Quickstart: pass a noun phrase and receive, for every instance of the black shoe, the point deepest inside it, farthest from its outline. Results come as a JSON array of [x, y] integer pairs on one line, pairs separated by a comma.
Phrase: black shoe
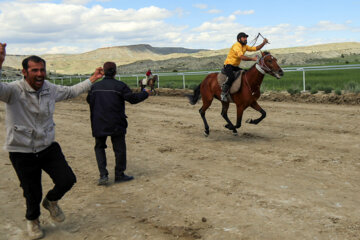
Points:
[[103, 180], [123, 178]]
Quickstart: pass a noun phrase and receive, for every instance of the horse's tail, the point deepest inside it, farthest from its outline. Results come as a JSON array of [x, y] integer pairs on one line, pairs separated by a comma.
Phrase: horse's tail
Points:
[[195, 97]]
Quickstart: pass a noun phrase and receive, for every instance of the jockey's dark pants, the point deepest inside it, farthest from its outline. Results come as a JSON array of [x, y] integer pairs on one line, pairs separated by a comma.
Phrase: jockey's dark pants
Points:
[[29, 166], [119, 147], [229, 70]]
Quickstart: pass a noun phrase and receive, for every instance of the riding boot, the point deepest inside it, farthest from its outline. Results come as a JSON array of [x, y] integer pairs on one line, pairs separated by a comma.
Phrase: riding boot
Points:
[[224, 93]]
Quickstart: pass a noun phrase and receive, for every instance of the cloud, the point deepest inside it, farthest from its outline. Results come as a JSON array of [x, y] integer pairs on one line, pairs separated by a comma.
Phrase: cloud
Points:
[[330, 26], [246, 12], [200, 6], [64, 26], [73, 28], [214, 11], [76, 2]]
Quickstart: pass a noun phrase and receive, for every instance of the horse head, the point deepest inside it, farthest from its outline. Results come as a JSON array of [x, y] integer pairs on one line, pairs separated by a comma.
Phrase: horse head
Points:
[[268, 64]]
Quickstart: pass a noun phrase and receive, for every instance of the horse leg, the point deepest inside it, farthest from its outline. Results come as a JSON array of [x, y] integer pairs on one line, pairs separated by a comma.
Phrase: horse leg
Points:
[[202, 110], [153, 89], [224, 110], [257, 107], [206, 125], [239, 114]]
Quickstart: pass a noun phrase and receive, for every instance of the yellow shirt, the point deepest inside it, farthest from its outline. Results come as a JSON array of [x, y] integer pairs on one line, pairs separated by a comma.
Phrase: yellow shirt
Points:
[[236, 51]]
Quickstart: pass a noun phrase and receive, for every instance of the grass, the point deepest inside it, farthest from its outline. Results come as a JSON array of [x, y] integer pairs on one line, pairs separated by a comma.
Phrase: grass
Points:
[[347, 80]]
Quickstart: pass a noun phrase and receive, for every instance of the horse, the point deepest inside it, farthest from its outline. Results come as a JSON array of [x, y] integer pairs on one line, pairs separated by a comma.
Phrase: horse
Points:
[[246, 96], [151, 83]]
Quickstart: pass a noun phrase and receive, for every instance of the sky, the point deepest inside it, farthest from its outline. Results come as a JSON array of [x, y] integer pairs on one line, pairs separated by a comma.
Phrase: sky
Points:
[[77, 26]]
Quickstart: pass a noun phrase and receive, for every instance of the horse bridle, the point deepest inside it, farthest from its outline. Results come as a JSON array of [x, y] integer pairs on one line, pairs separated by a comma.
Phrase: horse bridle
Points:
[[262, 67]]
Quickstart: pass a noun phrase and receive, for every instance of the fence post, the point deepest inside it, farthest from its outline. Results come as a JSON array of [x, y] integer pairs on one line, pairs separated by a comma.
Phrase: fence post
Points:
[[137, 81], [304, 80], [70, 80], [158, 81], [183, 81]]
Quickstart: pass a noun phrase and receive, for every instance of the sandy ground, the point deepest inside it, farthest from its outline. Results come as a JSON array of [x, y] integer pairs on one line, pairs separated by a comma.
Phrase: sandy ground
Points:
[[293, 176]]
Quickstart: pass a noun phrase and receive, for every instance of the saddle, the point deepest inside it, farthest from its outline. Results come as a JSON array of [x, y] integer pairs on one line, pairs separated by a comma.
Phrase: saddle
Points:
[[235, 87]]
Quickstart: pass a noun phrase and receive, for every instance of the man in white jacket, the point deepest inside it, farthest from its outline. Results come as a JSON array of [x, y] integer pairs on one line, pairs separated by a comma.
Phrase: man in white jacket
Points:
[[30, 140]]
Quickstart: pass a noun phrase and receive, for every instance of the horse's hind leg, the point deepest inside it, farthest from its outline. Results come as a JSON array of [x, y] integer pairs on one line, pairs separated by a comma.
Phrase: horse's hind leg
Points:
[[224, 110], [206, 125], [202, 110], [257, 107]]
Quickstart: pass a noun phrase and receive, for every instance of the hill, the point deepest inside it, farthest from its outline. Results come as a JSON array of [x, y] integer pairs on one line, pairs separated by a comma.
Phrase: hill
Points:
[[138, 58]]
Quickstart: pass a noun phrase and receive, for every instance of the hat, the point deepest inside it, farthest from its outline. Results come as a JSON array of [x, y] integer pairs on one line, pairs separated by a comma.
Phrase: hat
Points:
[[242, 34]]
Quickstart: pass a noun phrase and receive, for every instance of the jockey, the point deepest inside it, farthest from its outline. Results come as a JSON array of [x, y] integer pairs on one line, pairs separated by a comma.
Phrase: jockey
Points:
[[148, 75], [232, 62]]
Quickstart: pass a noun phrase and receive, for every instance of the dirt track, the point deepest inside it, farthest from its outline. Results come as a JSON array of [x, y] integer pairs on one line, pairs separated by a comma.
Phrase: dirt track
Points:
[[293, 176]]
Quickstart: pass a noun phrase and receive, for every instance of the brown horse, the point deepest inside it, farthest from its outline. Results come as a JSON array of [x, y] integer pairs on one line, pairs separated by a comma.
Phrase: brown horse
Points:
[[245, 97], [151, 83]]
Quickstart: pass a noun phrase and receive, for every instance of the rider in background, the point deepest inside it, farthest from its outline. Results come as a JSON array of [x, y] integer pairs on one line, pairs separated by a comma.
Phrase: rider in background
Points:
[[232, 62], [148, 75]]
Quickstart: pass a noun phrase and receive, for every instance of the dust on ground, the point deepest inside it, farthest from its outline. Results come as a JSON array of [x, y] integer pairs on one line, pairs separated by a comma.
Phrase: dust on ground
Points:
[[293, 176]]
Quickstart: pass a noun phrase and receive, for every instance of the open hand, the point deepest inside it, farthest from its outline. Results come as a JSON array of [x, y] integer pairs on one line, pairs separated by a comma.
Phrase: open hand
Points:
[[99, 73], [2, 53]]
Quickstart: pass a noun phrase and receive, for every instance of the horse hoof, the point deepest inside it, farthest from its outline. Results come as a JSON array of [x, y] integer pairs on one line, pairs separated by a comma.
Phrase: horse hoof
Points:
[[206, 133], [235, 133], [228, 126], [249, 120]]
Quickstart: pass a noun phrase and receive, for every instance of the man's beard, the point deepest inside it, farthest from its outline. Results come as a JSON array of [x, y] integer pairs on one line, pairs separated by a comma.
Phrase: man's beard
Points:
[[243, 43]]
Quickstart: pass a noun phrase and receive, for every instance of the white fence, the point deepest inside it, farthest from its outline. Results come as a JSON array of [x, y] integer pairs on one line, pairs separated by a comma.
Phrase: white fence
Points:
[[289, 69], [319, 68], [78, 78]]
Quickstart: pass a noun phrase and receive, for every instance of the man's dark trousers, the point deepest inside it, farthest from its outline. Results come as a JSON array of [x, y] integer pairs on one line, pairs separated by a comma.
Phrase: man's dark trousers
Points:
[[229, 70], [119, 147], [29, 166]]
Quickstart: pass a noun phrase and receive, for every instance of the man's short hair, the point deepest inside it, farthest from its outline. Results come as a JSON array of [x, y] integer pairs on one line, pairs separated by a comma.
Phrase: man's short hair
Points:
[[36, 59], [109, 69]]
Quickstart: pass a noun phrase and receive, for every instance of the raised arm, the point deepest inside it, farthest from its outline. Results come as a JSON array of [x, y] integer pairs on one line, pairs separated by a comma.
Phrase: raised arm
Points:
[[2, 53], [65, 92], [262, 44], [6, 91]]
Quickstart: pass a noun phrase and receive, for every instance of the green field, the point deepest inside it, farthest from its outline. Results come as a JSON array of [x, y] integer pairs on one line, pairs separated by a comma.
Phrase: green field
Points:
[[345, 80]]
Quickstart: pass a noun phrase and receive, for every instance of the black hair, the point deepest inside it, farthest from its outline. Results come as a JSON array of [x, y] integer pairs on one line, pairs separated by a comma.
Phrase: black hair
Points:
[[109, 69], [110, 72], [36, 59]]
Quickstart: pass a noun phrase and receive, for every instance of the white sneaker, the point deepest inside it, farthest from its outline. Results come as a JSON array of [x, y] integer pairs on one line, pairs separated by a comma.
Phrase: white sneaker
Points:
[[55, 211], [34, 229]]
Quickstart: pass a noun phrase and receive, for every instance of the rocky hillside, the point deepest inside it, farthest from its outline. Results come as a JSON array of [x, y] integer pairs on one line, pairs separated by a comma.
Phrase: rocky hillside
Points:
[[138, 58]]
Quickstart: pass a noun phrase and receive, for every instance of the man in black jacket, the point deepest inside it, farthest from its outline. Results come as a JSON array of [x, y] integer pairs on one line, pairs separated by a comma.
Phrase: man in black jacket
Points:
[[107, 112]]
